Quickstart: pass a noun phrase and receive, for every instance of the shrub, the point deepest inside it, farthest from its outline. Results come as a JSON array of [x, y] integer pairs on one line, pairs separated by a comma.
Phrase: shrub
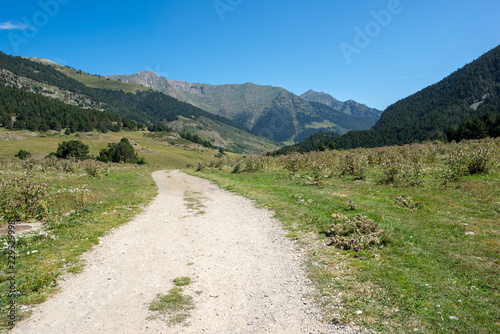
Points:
[[402, 175], [479, 160], [21, 200], [407, 202], [254, 164], [22, 154], [122, 151], [354, 165], [72, 149], [92, 168], [356, 233], [293, 164], [468, 161]]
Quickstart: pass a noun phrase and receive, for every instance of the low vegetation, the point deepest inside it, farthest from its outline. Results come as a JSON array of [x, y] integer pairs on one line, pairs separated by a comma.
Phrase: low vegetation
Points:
[[66, 205], [400, 239], [173, 307]]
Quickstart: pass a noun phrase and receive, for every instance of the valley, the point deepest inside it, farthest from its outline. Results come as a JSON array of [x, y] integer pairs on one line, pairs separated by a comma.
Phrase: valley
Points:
[[387, 222]]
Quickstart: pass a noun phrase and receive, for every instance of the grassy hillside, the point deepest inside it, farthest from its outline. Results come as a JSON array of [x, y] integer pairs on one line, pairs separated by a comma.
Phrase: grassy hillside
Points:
[[398, 239], [97, 81], [173, 154]]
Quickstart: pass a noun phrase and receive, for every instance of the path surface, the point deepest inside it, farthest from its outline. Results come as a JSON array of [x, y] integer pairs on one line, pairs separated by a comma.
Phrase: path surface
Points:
[[249, 274]]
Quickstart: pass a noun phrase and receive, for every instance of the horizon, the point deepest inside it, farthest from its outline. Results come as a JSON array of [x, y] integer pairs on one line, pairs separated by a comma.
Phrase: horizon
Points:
[[372, 53]]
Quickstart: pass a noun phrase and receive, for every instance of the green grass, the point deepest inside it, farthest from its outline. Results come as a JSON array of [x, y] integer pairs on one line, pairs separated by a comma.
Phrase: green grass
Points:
[[174, 307], [96, 81], [80, 209], [181, 281], [429, 275], [154, 151]]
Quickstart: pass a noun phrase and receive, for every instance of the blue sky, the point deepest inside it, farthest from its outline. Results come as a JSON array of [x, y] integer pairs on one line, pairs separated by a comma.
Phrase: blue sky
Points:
[[374, 52]]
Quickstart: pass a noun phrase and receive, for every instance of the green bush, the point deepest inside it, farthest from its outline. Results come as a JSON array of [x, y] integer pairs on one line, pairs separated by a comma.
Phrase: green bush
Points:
[[22, 154], [72, 149], [120, 152], [21, 199]]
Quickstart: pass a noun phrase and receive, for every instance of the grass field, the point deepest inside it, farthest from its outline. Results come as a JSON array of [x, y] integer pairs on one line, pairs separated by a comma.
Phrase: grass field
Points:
[[398, 239], [429, 261], [74, 210], [155, 152]]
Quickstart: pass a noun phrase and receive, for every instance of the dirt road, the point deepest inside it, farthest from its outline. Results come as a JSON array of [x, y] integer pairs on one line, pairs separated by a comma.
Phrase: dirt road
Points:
[[246, 276]]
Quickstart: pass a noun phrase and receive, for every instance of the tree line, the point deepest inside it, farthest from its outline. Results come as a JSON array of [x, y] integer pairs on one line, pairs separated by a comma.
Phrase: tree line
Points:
[[22, 110]]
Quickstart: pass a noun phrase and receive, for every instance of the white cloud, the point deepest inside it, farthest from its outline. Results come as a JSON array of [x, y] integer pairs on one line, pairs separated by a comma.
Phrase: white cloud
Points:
[[10, 25]]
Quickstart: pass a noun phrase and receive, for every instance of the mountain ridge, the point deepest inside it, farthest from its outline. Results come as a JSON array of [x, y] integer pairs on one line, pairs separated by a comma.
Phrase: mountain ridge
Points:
[[272, 112], [349, 107], [141, 105]]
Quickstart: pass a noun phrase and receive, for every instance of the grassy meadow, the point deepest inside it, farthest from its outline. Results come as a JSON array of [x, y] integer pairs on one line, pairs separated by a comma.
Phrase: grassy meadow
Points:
[[400, 239], [171, 154], [75, 203]]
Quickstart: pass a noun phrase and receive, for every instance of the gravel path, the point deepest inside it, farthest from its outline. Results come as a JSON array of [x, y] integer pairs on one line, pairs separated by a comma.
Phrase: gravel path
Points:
[[246, 276]]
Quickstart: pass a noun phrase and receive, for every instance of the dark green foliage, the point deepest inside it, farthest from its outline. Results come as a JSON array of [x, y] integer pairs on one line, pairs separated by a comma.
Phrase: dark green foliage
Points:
[[430, 113], [196, 139], [72, 149], [22, 154], [36, 112], [159, 128], [122, 151], [487, 125], [275, 123]]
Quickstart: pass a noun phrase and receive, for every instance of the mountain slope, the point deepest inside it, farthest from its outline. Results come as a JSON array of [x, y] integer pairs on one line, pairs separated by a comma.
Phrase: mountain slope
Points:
[[272, 112], [426, 115], [349, 107], [147, 106]]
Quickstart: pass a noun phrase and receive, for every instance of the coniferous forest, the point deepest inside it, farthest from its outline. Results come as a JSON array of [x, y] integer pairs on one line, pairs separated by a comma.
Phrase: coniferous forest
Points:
[[21, 110]]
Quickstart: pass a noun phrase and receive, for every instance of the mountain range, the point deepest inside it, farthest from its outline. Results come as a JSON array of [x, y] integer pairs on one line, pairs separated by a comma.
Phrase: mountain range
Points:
[[246, 118], [272, 112], [31, 85]]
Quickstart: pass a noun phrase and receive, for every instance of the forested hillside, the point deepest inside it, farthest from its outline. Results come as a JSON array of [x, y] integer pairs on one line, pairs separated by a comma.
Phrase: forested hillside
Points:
[[21, 110], [427, 115], [37, 96], [148, 107]]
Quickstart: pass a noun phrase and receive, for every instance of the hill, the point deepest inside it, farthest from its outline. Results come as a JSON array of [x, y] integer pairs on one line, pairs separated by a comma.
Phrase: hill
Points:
[[272, 112], [430, 113], [143, 105], [349, 107]]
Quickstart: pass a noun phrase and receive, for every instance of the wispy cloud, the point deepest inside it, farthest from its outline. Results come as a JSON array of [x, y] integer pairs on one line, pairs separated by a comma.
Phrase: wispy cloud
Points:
[[12, 25]]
